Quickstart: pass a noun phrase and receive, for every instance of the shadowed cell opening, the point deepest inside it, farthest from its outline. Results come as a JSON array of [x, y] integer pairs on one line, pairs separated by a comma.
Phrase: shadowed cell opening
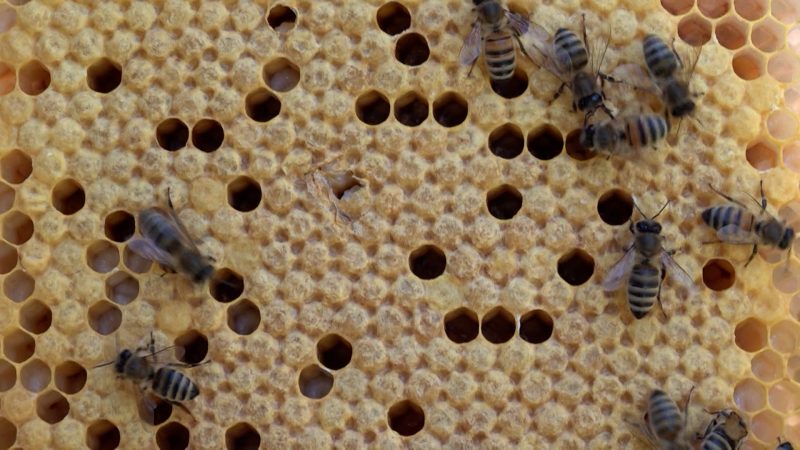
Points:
[[504, 202], [105, 317], [615, 207], [750, 335], [52, 407], [498, 325], [135, 262], [545, 142], [574, 148], [16, 166], [751, 10], [226, 285], [281, 75], [334, 352], [406, 418], [762, 156], [35, 317], [207, 135], [8, 433], [713, 9], [8, 258], [34, 78], [512, 87], [677, 7], [18, 286], [731, 32], [18, 346], [748, 64], [122, 288], [506, 141], [242, 436], [393, 18], [172, 134], [461, 325], [450, 109], [576, 267], [8, 76], [102, 435], [172, 436], [412, 49], [7, 195], [68, 197], [314, 382], [411, 109], [695, 30], [261, 105], [102, 256], [70, 377], [536, 326], [719, 274], [243, 317], [17, 228], [427, 262], [372, 108], [104, 76], [119, 226], [194, 345], [8, 375], [281, 18], [244, 194], [35, 375], [154, 411]]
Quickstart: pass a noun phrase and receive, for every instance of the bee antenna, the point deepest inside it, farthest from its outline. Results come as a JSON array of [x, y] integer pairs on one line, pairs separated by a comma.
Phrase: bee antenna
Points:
[[661, 210], [105, 364], [638, 209]]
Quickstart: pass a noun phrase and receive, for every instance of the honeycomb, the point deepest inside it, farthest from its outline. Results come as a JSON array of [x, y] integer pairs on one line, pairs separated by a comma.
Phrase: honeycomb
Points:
[[394, 269]]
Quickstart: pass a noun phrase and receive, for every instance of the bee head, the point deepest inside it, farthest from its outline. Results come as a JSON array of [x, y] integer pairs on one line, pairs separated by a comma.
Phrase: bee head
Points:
[[590, 101], [648, 226], [683, 109], [586, 138], [490, 12], [787, 239], [122, 359]]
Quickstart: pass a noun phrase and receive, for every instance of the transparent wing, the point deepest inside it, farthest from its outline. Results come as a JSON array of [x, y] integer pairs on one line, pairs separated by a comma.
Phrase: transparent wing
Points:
[[472, 46], [635, 75], [539, 46], [619, 273], [149, 250], [676, 271], [520, 24], [733, 234], [183, 233]]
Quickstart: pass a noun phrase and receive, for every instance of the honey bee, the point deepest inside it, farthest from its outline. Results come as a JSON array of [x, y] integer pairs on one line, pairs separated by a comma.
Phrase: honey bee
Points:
[[494, 33], [635, 131], [640, 268], [664, 423], [735, 224], [726, 431], [166, 241], [663, 62]]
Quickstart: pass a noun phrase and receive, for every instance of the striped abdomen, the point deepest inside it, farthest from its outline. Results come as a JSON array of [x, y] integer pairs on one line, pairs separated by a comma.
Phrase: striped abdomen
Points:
[[500, 54], [160, 230], [665, 419], [570, 50], [717, 440], [643, 288], [173, 385], [721, 216], [645, 130], [660, 59]]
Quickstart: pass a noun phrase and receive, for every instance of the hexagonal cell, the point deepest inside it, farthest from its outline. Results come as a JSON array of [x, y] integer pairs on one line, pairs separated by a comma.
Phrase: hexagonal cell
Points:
[[787, 11], [35, 375], [677, 7], [766, 426], [261, 105], [8, 375], [102, 435], [8, 433], [748, 64], [157, 413], [18, 346], [8, 78], [575, 267], [102, 256], [244, 317], [761, 155], [244, 194], [104, 317], [412, 49], [8, 17], [504, 202], [461, 325], [122, 288], [334, 352], [35, 317], [8, 258], [314, 382], [506, 141], [786, 277], [18, 286], [281, 18], [16, 166], [545, 142], [784, 336], [713, 9], [393, 18], [172, 134], [751, 9], [536, 326], [7, 195], [512, 87], [719, 274], [68, 197], [34, 78], [732, 32], [450, 109], [207, 135], [767, 35], [242, 436], [751, 335], [615, 206], [372, 108], [226, 285], [194, 345], [17, 228], [172, 436], [406, 418], [694, 29], [498, 325], [784, 397], [411, 109], [427, 262], [135, 262], [70, 377], [784, 66], [749, 395], [104, 76], [575, 149], [281, 75], [791, 157], [781, 124], [119, 226], [767, 366]]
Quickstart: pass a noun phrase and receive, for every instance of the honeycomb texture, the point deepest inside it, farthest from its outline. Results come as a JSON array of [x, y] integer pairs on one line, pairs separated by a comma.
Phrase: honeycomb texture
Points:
[[406, 257]]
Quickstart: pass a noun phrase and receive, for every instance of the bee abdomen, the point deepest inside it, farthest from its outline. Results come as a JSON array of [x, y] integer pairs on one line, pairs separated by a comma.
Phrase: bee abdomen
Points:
[[173, 385], [159, 230], [665, 418], [721, 216], [716, 440], [645, 130], [659, 57], [570, 50], [643, 289], [499, 52]]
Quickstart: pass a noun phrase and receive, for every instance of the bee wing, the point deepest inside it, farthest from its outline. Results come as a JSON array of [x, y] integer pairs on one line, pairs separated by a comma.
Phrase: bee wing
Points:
[[518, 22], [734, 234], [537, 42], [619, 273], [183, 233], [147, 406], [635, 75], [676, 271], [472, 46], [148, 249]]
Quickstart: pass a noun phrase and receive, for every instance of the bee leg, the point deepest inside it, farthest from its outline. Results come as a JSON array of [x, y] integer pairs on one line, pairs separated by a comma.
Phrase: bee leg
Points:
[[752, 255], [522, 49], [607, 111], [686, 407], [469, 74], [560, 90], [675, 52], [658, 296]]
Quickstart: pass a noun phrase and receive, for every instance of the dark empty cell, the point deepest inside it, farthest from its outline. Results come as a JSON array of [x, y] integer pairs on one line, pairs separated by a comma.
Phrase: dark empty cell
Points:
[[334, 352], [314, 382], [244, 194], [718, 274], [244, 317], [226, 285], [52, 407], [615, 207], [575, 150], [536, 326], [35, 317], [411, 109], [68, 197], [172, 134], [8, 433], [545, 142], [194, 345], [261, 105], [281, 75], [504, 202], [135, 262], [393, 18], [427, 262], [506, 141], [8, 375], [281, 18], [16, 166], [102, 256], [450, 109], [172, 436], [35, 375], [122, 288], [18, 346], [576, 267], [461, 325], [406, 418], [17, 228], [512, 87], [34, 78], [7, 195], [119, 226], [18, 286], [156, 413], [372, 108], [498, 326], [104, 76], [242, 436], [412, 49], [104, 317], [70, 377], [207, 135], [8, 258], [102, 435]]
